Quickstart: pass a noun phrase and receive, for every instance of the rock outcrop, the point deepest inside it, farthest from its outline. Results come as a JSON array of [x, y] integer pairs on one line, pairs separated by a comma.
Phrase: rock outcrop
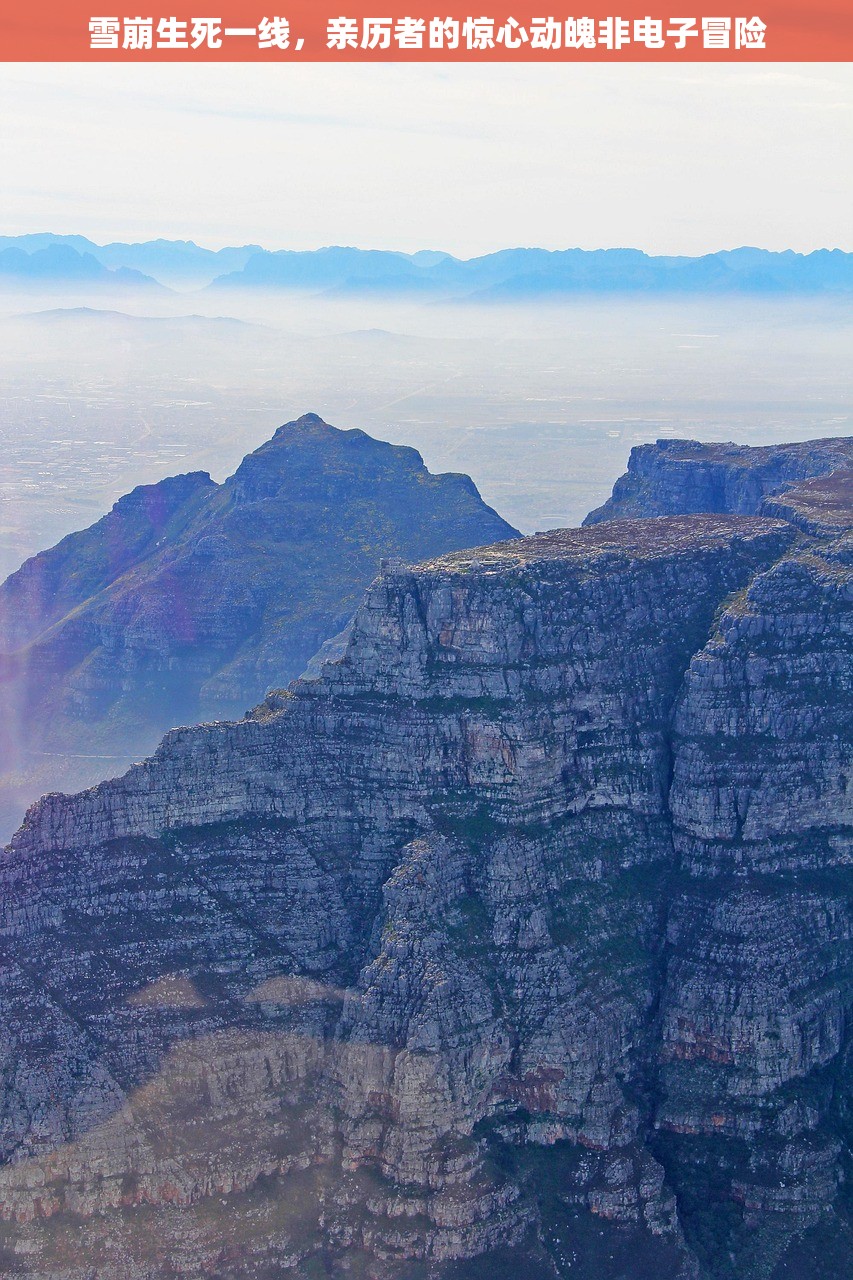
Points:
[[679, 477], [516, 942], [190, 600]]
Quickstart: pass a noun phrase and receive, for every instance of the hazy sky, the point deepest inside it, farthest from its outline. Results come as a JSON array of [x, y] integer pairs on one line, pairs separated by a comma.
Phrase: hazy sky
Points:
[[464, 158]]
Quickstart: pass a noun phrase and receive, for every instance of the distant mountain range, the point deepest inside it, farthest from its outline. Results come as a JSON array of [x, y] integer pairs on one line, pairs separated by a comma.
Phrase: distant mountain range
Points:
[[189, 599], [528, 273], [507, 275], [173, 263], [60, 263]]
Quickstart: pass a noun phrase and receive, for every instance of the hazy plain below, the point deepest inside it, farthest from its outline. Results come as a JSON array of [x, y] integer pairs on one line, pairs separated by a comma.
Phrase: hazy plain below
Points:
[[540, 404]]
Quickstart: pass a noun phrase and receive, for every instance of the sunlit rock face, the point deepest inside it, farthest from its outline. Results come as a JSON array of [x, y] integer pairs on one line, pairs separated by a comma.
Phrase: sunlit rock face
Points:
[[677, 477], [515, 943], [190, 600]]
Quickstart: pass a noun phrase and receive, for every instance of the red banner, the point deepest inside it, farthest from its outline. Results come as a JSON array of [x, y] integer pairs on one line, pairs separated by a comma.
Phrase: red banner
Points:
[[308, 31]]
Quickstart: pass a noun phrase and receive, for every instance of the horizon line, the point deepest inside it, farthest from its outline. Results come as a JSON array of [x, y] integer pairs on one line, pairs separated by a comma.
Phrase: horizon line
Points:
[[404, 253]]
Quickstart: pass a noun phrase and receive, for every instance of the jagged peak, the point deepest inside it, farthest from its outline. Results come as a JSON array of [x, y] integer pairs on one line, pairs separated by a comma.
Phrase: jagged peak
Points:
[[305, 421], [312, 427], [309, 448]]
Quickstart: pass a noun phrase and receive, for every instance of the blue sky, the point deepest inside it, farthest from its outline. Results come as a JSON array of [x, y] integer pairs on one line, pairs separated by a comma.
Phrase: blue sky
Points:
[[464, 158]]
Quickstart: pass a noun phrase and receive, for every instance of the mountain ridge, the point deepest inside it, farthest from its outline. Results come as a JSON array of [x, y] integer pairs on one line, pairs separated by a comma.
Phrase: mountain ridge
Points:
[[61, 262], [499, 276], [521, 273], [190, 599]]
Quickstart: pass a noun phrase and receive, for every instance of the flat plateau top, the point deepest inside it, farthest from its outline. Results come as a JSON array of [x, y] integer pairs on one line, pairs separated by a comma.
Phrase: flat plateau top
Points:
[[646, 539], [748, 455]]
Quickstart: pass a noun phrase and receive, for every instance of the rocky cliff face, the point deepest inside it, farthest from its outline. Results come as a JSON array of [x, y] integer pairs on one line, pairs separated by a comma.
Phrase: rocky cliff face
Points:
[[676, 477], [518, 942], [190, 600]]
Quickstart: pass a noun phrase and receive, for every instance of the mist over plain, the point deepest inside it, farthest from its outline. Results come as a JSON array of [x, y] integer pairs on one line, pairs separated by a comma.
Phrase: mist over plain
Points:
[[540, 402]]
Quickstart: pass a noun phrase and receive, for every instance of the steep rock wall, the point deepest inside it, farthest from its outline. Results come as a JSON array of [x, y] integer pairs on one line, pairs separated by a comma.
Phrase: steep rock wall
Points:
[[675, 477], [519, 937]]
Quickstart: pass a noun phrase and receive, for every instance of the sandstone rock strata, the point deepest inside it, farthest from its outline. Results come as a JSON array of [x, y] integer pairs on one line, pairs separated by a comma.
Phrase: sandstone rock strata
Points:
[[675, 477], [517, 942]]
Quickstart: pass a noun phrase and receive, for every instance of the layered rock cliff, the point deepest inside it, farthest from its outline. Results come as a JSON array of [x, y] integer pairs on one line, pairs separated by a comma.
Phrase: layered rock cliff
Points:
[[518, 942], [190, 600], [677, 477]]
